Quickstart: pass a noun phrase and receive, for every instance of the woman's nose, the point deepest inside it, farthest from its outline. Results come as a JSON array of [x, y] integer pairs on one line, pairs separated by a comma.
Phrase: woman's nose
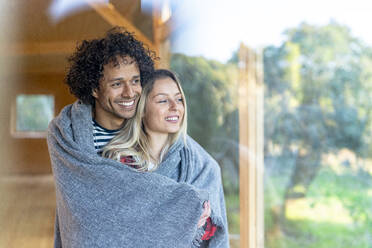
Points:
[[172, 105]]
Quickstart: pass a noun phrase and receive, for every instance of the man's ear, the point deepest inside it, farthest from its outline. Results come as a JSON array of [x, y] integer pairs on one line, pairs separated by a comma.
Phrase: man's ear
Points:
[[95, 93]]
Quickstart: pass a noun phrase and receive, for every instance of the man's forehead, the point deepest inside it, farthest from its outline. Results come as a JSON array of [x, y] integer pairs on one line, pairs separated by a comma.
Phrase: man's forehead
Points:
[[122, 60]]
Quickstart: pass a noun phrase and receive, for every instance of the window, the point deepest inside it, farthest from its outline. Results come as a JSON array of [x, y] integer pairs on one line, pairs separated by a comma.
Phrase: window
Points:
[[31, 115], [318, 146]]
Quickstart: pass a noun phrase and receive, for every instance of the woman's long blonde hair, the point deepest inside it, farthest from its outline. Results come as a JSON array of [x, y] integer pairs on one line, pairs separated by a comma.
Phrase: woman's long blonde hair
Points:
[[132, 141]]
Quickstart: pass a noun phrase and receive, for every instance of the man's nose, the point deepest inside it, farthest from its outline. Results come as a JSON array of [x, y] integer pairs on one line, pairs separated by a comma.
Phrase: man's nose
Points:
[[127, 91]]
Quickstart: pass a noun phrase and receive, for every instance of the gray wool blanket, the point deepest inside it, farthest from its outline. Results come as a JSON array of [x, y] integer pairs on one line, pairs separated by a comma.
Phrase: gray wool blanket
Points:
[[103, 203], [191, 164]]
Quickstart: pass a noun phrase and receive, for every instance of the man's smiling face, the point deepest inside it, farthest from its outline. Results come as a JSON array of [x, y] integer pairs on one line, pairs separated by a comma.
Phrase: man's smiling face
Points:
[[118, 93]]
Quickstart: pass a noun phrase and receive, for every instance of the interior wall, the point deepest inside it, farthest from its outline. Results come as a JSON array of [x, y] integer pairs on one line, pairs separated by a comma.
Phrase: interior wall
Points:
[[33, 51], [27, 155]]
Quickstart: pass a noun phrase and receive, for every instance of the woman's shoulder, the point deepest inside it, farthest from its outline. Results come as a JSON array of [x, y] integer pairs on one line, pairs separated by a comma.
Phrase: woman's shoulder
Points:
[[199, 155], [194, 146]]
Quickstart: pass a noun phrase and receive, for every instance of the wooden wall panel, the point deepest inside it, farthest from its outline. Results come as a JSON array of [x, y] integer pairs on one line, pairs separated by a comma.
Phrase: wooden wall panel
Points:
[[27, 155]]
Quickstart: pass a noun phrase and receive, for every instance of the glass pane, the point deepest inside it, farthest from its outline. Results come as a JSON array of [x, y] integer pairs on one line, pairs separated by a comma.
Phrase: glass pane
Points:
[[211, 94], [318, 145], [34, 112]]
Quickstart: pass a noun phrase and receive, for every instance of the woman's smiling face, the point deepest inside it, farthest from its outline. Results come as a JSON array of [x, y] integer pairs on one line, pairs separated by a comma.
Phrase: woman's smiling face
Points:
[[164, 109]]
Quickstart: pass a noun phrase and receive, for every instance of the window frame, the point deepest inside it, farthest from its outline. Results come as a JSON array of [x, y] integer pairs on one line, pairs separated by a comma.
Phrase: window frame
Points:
[[251, 141]]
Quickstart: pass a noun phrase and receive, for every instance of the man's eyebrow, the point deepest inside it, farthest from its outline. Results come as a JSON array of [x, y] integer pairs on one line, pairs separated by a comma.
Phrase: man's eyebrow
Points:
[[121, 78], [115, 79]]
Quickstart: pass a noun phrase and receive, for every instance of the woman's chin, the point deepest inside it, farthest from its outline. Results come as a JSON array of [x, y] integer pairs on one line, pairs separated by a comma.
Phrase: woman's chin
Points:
[[173, 130]]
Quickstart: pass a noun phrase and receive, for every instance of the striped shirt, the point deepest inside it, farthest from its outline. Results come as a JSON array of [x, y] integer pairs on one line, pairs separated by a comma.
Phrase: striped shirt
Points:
[[102, 136]]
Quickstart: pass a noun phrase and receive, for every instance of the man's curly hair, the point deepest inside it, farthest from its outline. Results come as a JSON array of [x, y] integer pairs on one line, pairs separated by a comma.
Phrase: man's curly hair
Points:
[[86, 63]]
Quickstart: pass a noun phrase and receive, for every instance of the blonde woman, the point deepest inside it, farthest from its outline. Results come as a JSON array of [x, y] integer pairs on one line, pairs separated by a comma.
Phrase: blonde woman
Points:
[[156, 140]]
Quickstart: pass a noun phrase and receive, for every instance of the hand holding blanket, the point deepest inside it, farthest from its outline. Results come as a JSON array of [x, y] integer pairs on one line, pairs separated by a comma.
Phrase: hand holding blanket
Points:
[[191, 164]]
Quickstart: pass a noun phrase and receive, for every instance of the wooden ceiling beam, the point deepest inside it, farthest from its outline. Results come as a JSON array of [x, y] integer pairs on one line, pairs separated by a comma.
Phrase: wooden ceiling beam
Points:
[[108, 12], [129, 11], [39, 48]]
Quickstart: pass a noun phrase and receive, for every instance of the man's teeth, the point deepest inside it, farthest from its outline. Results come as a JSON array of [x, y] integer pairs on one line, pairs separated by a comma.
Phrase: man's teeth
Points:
[[171, 118], [126, 103]]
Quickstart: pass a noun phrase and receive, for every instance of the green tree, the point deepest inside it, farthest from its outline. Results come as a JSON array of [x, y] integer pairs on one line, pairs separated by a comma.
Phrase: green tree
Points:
[[210, 89], [211, 94], [317, 85]]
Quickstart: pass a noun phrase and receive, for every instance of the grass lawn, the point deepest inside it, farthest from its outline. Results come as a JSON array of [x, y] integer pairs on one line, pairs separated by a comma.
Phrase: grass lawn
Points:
[[336, 212]]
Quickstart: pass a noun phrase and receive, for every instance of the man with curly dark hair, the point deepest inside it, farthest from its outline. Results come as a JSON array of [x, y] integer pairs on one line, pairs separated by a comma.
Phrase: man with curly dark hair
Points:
[[108, 74]]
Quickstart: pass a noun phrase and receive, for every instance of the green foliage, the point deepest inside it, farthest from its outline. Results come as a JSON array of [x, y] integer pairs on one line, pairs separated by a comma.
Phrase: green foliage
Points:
[[209, 87], [316, 98], [317, 102], [211, 95], [232, 209], [351, 187], [318, 73]]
